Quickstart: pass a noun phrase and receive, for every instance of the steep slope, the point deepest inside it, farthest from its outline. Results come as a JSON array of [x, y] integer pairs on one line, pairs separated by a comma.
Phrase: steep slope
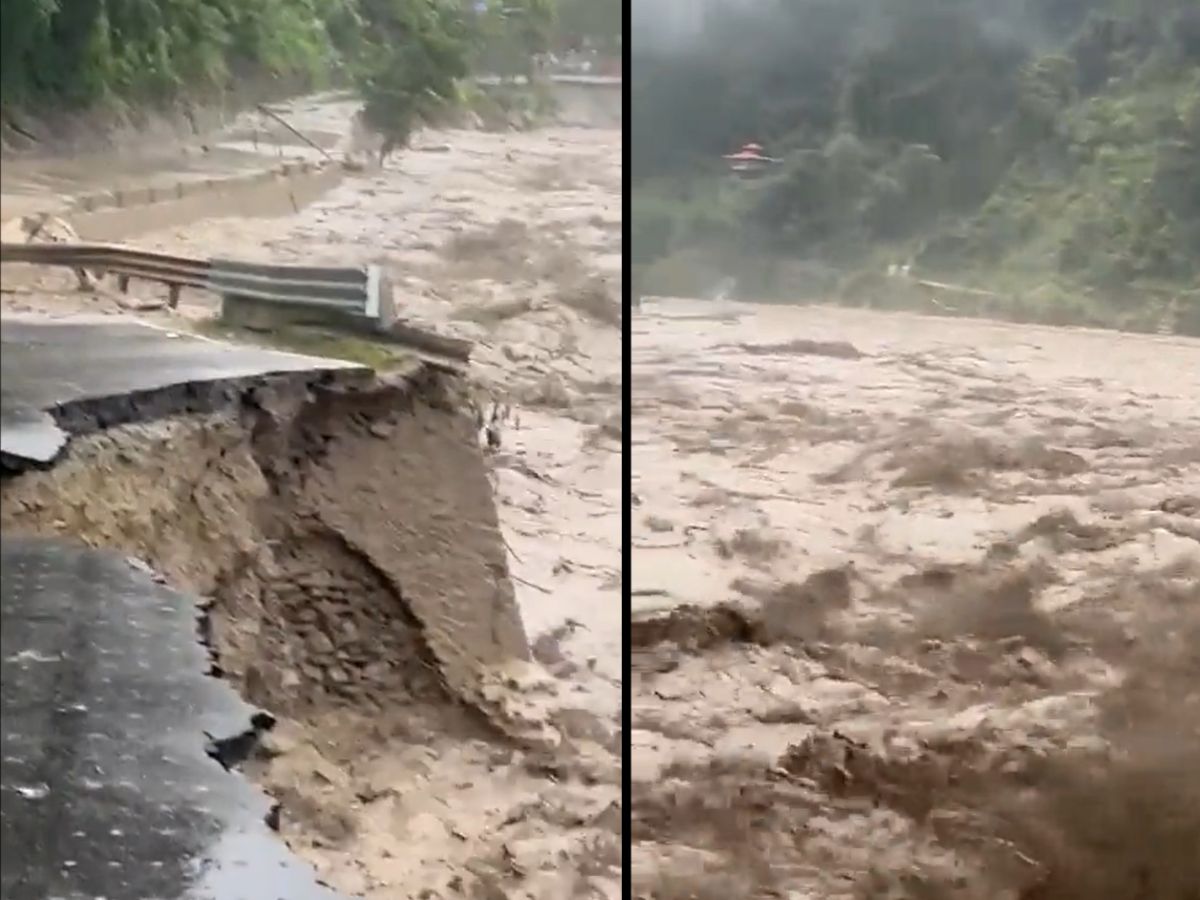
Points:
[[1045, 150]]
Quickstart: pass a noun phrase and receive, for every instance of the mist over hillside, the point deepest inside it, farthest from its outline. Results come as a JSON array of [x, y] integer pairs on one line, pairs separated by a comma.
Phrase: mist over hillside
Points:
[[1044, 150]]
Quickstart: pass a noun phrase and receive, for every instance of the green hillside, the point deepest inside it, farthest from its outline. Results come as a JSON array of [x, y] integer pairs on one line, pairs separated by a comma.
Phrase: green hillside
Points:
[[60, 58], [1045, 150]]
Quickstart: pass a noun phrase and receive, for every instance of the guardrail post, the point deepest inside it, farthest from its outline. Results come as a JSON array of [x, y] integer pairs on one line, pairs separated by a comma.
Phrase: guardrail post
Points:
[[359, 298]]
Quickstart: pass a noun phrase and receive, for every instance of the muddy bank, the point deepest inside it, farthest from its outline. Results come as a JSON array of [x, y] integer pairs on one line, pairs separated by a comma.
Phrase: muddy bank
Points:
[[384, 489], [240, 163], [914, 620], [43, 134], [348, 546], [587, 103]]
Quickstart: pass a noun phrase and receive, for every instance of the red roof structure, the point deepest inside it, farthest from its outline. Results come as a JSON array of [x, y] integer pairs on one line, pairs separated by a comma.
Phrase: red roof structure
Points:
[[749, 159]]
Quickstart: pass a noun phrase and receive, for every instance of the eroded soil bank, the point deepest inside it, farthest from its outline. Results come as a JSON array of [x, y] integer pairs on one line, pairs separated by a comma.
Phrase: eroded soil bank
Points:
[[917, 608], [348, 548]]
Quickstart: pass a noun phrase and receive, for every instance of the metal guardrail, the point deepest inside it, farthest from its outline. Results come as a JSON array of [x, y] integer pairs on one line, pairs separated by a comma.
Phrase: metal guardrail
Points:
[[353, 291], [176, 272], [356, 295]]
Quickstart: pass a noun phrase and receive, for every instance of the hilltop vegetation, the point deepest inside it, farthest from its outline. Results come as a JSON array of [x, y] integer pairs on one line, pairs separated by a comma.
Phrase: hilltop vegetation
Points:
[[82, 53], [405, 56], [1048, 150]]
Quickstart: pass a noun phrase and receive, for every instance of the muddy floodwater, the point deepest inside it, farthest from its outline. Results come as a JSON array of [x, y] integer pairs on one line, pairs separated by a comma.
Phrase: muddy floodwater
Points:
[[916, 607], [390, 787]]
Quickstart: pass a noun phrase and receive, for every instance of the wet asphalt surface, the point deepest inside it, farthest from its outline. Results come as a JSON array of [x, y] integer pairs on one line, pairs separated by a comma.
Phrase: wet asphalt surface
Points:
[[115, 736], [109, 786], [66, 377]]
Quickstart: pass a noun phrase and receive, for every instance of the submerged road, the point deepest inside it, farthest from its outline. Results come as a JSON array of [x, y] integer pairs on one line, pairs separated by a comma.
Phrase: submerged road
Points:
[[116, 739], [65, 377]]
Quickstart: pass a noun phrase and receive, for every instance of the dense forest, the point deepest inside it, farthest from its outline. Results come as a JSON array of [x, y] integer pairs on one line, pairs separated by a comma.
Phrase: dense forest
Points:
[[66, 56], [1048, 150]]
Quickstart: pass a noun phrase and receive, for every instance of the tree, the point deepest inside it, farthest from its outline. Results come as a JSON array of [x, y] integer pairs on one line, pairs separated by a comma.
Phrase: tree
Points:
[[413, 54], [24, 24], [84, 53]]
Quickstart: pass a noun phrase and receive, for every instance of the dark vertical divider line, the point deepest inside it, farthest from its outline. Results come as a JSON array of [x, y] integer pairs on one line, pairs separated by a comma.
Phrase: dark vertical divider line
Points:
[[626, 470]]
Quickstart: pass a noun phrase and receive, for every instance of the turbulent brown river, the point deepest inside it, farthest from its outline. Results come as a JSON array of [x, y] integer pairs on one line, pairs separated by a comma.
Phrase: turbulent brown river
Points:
[[916, 607]]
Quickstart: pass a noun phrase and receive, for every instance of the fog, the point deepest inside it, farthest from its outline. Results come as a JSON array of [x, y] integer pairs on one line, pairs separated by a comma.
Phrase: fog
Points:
[[1006, 146], [678, 24]]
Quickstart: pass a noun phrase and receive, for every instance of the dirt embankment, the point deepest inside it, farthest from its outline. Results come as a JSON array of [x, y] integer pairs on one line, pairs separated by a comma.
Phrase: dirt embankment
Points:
[[355, 578], [916, 621]]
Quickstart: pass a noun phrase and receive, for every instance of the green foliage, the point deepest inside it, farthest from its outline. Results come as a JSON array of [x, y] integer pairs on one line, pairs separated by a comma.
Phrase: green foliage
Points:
[[411, 56], [406, 57], [410, 59], [1017, 142], [83, 52], [653, 226], [1047, 86]]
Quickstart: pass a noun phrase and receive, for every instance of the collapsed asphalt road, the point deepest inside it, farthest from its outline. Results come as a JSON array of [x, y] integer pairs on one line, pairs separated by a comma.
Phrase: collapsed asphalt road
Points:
[[75, 376], [345, 541], [117, 739]]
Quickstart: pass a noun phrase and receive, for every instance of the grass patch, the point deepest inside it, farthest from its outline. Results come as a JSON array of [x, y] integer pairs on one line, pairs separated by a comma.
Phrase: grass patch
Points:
[[310, 341]]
